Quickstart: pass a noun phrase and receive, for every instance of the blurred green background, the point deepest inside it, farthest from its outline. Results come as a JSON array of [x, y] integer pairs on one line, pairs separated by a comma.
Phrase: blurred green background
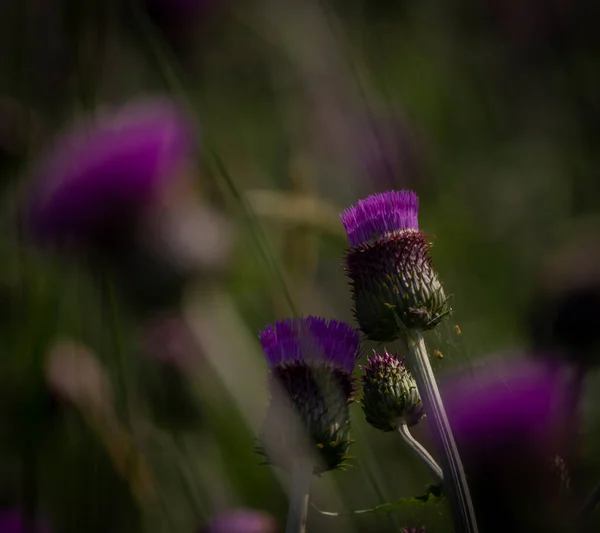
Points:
[[495, 109]]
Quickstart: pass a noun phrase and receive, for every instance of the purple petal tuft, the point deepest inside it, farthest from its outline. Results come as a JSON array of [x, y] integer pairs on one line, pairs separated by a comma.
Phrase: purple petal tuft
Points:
[[298, 339], [379, 214]]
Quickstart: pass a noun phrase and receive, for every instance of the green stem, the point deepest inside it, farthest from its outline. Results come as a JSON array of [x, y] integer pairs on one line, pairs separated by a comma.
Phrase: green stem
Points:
[[302, 471], [452, 468], [420, 450]]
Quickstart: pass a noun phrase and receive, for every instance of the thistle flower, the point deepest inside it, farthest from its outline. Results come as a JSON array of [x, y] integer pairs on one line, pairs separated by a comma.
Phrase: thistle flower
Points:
[[509, 422], [390, 268], [13, 521], [242, 521], [311, 361], [390, 394], [96, 180]]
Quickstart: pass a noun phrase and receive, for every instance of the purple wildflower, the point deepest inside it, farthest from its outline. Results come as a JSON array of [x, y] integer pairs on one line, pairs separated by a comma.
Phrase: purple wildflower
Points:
[[394, 286], [242, 521], [97, 178], [509, 420], [311, 360], [380, 214], [498, 403], [13, 521], [295, 340]]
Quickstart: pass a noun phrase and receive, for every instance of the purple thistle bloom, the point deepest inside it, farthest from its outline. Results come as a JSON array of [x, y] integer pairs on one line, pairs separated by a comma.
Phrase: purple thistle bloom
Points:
[[498, 403], [379, 214], [99, 176], [242, 521], [510, 422], [310, 338], [12, 521], [394, 286], [311, 360]]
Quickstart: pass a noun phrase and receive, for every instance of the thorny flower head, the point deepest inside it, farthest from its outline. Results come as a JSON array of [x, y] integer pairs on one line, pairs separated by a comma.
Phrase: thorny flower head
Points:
[[311, 361], [393, 282], [390, 394]]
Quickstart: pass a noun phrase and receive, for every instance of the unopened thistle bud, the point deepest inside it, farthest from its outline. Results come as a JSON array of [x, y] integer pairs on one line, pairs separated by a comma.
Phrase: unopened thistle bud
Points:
[[389, 267], [390, 395], [311, 360]]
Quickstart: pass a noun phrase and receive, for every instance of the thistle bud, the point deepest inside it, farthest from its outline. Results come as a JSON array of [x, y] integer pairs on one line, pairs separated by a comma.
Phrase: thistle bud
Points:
[[390, 269], [311, 362], [390, 394]]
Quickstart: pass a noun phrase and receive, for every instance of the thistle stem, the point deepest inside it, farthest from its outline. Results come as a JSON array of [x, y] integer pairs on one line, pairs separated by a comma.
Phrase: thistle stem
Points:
[[452, 468], [302, 471], [420, 450]]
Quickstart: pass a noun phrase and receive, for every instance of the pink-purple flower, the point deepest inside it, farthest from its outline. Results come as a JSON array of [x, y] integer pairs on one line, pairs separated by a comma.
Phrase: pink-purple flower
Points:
[[394, 285], [92, 185], [311, 386], [509, 421]]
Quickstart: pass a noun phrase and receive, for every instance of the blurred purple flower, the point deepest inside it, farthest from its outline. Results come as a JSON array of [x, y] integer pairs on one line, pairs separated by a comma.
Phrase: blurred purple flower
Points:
[[509, 421], [242, 521], [497, 404], [12, 521], [308, 339], [97, 178], [379, 214]]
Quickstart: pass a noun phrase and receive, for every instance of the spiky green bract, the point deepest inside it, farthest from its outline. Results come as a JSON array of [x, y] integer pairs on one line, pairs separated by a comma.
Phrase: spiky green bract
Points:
[[392, 278], [319, 394], [390, 394]]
